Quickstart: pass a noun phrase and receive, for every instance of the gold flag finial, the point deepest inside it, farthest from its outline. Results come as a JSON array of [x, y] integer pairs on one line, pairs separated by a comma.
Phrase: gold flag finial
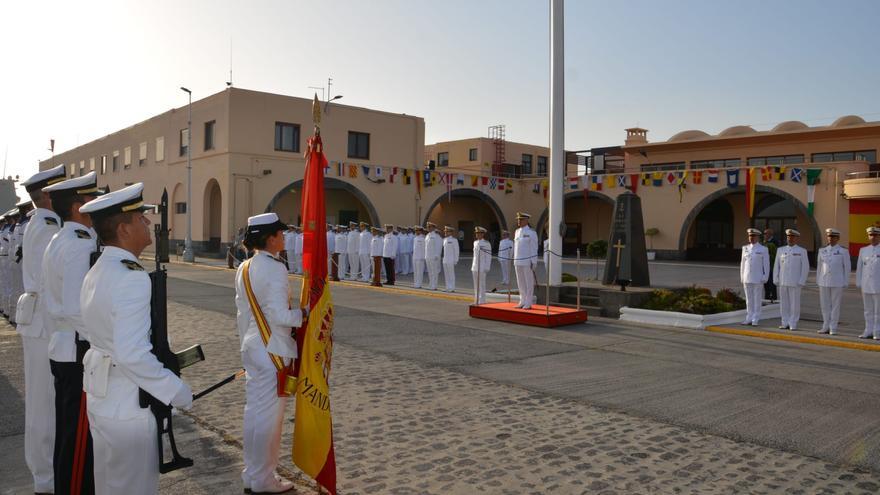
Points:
[[316, 110]]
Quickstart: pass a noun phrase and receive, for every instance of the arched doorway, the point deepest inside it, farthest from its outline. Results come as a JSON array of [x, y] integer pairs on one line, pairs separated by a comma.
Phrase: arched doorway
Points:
[[177, 213], [344, 203], [465, 209], [713, 233], [213, 213], [586, 220]]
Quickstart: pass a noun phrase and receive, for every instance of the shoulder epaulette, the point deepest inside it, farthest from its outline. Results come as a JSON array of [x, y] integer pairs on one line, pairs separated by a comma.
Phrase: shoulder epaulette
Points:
[[51, 221], [132, 265], [83, 234]]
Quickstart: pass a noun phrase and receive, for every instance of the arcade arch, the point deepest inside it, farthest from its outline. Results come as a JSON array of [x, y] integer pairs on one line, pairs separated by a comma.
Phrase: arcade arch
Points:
[[585, 220], [469, 209], [344, 203]]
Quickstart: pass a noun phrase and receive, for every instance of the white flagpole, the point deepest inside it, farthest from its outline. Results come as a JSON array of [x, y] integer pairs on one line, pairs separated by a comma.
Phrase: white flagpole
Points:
[[557, 140]]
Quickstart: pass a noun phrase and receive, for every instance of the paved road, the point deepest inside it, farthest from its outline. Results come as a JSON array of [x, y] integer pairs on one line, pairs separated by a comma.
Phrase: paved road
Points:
[[427, 400]]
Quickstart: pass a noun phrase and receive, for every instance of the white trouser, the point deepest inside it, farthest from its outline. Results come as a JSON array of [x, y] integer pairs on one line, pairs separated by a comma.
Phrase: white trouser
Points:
[[505, 271], [525, 282], [433, 272], [418, 272], [39, 413], [790, 304], [126, 454], [354, 262], [343, 265], [754, 298], [449, 276], [291, 261], [479, 287], [329, 262], [298, 262], [872, 314], [829, 298], [409, 264], [366, 267], [263, 415]]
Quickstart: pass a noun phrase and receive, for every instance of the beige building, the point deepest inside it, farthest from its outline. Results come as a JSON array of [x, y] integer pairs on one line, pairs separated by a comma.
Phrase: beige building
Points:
[[485, 155]]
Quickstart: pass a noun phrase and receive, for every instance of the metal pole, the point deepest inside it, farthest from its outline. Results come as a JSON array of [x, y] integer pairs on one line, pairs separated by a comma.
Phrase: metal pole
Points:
[[557, 139], [547, 289], [510, 267], [477, 284], [578, 274], [188, 255]]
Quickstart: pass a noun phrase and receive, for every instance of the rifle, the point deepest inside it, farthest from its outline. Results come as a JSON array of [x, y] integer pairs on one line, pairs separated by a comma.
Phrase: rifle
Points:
[[159, 340]]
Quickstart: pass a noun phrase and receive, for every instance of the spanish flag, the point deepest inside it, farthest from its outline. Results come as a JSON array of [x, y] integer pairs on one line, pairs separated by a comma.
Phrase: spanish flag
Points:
[[313, 427], [863, 213]]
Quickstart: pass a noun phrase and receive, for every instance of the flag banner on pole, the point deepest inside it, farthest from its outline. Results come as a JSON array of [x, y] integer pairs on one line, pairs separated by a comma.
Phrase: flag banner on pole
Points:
[[393, 175], [657, 179], [646, 179], [459, 180], [765, 174], [779, 173], [751, 180], [681, 181], [697, 176], [732, 178], [621, 181], [634, 182], [797, 174], [813, 175], [366, 169], [573, 183], [671, 178], [313, 426], [595, 183], [712, 176]]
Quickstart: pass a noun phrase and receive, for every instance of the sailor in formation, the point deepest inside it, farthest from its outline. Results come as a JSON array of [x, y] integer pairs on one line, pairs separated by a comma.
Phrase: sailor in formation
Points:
[[525, 254], [353, 243], [377, 244], [266, 327], [832, 276], [115, 306], [289, 248], [39, 421], [868, 280], [365, 239], [16, 243], [331, 244], [480, 265], [341, 254], [5, 230], [298, 249], [389, 253], [418, 256], [65, 264], [790, 270], [505, 256], [450, 257], [754, 271], [433, 252]]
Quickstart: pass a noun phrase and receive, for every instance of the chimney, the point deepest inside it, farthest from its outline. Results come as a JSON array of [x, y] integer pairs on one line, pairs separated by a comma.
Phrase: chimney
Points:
[[636, 135]]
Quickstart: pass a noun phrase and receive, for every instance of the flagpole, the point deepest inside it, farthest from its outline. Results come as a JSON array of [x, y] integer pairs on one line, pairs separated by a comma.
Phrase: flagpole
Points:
[[557, 140]]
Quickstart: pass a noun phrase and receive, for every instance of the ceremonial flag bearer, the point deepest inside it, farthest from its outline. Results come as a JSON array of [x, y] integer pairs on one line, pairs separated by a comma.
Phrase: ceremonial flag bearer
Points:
[[115, 302], [39, 392], [268, 347], [65, 265]]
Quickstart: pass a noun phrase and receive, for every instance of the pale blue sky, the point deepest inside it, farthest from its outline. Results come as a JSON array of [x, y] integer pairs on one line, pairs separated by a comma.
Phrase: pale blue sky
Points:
[[79, 70]]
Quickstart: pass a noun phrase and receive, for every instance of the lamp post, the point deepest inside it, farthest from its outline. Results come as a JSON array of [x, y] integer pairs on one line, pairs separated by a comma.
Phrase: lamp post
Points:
[[328, 102], [188, 255]]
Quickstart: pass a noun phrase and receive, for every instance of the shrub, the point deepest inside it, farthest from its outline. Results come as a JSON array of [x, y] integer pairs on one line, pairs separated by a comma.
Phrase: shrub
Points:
[[597, 249], [567, 277], [732, 298], [694, 300]]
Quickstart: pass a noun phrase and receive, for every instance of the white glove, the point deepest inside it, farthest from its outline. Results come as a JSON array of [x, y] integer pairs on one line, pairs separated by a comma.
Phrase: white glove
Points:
[[183, 399]]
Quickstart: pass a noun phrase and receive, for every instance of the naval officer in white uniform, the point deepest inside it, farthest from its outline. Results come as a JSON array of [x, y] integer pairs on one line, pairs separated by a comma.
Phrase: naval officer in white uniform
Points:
[[505, 253], [480, 265], [525, 254], [115, 305], [790, 272], [433, 251], [754, 270], [868, 279], [450, 257], [832, 275], [39, 391]]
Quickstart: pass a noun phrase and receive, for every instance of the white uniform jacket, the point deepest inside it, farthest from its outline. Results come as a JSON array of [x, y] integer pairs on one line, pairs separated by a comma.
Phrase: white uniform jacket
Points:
[[289, 241], [115, 302], [365, 239], [868, 270], [754, 268], [298, 243], [341, 243], [65, 265], [418, 247], [525, 247], [483, 253], [791, 266], [377, 244], [450, 250], [331, 242], [433, 246], [505, 250], [389, 246], [353, 241], [37, 234], [833, 266], [272, 291]]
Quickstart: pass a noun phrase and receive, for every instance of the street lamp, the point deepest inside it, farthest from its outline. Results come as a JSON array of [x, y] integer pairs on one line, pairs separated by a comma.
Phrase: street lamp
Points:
[[331, 99], [188, 255]]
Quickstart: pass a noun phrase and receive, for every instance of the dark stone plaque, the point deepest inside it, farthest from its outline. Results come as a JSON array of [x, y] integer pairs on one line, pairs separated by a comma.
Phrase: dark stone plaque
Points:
[[627, 256]]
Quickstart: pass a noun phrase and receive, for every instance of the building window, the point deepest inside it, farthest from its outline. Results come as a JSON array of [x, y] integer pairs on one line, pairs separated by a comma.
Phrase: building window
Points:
[[73, 170], [656, 167], [184, 141], [209, 135], [82, 167], [160, 148], [116, 160], [526, 164], [472, 154], [869, 156], [179, 207], [286, 137], [92, 164], [773, 160], [103, 164], [702, 164], [358, 145], [142, 155], [542, 165], [443, 159], [126, 163]]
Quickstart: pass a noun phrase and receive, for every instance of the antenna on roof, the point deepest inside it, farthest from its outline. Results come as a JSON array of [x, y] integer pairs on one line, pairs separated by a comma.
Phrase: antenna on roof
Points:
[[5, 156], [229, 82]]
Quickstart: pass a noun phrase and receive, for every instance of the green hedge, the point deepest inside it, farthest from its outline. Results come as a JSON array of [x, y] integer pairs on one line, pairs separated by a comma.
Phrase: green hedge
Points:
[[694, 300]]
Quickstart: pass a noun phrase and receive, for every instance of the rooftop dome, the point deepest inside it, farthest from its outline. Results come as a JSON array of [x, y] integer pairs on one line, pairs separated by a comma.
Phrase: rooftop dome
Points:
[[688, 136], [737, 130], [791, 125], [848, 121]]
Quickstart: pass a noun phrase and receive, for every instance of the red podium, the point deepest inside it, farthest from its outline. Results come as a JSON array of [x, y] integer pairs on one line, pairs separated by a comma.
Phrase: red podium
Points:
[[537, 315]]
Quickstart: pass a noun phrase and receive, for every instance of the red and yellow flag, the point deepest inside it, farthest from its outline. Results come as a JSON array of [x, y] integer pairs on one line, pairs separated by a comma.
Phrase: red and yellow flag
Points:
[[751, 182], [313, 428]]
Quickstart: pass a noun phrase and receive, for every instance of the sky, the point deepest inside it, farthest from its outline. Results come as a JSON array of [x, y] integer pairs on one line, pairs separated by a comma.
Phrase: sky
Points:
[[76, 71]]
